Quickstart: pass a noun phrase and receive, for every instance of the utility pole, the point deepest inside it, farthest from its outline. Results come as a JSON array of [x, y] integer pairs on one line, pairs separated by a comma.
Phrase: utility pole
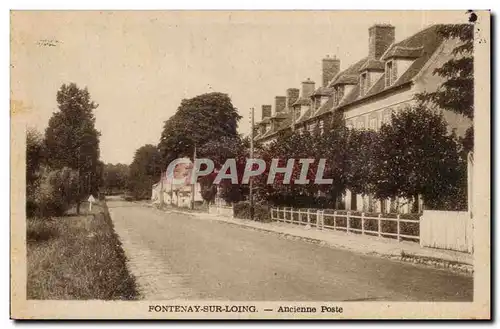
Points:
[[193, 186], [251, 157]]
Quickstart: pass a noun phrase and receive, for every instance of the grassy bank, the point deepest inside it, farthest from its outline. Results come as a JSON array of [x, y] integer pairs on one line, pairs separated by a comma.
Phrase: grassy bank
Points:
[[77, 257]]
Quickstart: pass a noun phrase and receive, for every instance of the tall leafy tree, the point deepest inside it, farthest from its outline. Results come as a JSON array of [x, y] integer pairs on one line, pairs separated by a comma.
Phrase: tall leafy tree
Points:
[[456, 93], [145, 170], [71, 139], [417, 156], [198, 120], [362, 161], [219, 150], [115, 177], [34, 155]]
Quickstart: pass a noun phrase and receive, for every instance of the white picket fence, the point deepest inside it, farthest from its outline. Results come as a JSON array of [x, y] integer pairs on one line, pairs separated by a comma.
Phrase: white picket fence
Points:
[[348, 222], [451, 230]]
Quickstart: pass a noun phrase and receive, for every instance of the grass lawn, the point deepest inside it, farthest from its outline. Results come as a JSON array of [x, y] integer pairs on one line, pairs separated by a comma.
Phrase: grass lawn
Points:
[[77, 257]]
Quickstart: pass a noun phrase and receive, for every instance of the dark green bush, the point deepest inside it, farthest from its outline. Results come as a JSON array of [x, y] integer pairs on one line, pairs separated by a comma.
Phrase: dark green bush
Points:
[[262, 213]]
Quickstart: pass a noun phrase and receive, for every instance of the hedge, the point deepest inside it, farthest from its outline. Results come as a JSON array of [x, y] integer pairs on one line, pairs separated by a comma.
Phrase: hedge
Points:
[[262, 213]]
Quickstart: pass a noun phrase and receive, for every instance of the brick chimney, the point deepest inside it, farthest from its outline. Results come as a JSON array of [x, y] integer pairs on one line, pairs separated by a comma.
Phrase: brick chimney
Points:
[[331, 66], [266, 111], [292, 94], [380, 37], [307, 88], [279, 104]]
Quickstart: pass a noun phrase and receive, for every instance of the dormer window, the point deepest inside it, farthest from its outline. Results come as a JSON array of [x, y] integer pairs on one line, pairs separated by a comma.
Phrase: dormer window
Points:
[[338, 94], [390, 73], [364, 83]]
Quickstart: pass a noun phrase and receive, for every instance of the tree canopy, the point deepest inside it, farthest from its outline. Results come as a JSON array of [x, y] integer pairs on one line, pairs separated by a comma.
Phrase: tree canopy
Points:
[[71, 139], [145, 170], [198, 120]]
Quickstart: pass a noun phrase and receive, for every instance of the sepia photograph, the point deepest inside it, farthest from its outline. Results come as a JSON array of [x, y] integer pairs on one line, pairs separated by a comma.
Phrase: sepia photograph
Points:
[[250, 164]]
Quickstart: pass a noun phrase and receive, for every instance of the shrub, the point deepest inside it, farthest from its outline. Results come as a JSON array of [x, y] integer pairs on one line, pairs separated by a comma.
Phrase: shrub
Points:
[[40, 230], [54, 193], [262, 213]]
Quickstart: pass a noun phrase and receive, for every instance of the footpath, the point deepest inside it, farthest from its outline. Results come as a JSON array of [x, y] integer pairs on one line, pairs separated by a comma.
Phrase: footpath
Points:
[[364, 244]]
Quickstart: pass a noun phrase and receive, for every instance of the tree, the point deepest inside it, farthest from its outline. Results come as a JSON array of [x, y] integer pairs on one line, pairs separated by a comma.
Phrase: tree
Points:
[[417, 156], [204, 118], [115, 178], [456, 93], [34, 161], [34, 155], [71, 139], [219, 150], [362, 161], [145, 170]]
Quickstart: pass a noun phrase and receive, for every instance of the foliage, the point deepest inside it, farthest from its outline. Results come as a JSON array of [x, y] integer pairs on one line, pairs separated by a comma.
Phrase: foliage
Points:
[[261, 212], [456, 93], [77, 258], [198, 120], [417, 156], [71, 139], [115, 178], [34, 155], [219, 150], [145, 170], [362, 161], [55, 192], [331, 146]]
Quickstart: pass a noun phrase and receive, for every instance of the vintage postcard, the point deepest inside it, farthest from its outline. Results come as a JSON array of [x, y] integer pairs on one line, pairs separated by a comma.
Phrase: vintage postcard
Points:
[[250, 164]]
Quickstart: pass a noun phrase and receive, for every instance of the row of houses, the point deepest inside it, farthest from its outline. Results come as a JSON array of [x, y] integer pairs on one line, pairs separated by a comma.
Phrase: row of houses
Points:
[[367, 93]]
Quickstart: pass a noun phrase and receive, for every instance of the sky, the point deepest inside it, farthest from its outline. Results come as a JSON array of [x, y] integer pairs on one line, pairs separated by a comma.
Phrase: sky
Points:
[[139, 65]]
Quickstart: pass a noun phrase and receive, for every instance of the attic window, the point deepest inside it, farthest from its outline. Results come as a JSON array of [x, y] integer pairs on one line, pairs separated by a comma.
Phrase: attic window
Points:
[[364, 83], [338, 94], [390, 73]]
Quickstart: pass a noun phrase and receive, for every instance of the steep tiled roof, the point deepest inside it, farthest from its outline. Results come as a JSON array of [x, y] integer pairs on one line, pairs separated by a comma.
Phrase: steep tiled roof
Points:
[[428, 40], [323, 91], [280, 116], [373, 64], [305, 116], [302, 101], [403, 52], [349, 74], [423, 44]]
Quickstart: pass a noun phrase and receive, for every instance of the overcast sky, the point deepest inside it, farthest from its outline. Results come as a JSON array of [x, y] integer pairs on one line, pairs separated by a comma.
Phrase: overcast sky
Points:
[[138, 66]]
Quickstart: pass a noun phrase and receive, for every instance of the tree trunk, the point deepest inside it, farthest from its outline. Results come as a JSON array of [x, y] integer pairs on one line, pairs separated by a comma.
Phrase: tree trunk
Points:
[[78, 207]]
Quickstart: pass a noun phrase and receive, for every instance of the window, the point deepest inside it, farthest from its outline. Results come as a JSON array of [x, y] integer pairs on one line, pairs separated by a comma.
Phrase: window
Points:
[[360, 124], [311, 127], [386, 117], [321, 127], [373, 123], [390, 73], [340, 92], [364, 83]]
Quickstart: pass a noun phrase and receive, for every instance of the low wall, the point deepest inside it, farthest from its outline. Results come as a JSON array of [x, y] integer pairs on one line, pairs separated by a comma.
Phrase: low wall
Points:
[[451, 230]]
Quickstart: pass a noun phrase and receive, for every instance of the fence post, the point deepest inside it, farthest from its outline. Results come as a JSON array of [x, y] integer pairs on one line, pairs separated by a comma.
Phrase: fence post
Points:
[[284, 214], [363, 223], [399, 232], [322, 219], [347, 221], [317, 219], [308, 217], [335, 220], [379, 225], [300, 217]]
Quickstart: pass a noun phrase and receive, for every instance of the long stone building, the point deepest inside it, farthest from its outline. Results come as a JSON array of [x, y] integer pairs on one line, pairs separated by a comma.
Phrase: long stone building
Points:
[[367, 92]]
